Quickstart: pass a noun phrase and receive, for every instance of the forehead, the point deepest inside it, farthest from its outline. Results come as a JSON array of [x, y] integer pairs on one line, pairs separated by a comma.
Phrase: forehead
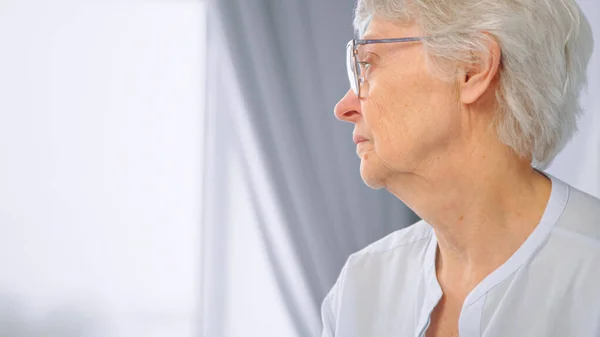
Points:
[[381, 28]]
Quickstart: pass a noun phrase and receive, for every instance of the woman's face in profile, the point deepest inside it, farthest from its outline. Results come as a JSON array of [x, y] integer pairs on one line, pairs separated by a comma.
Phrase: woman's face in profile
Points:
[[409, 117]]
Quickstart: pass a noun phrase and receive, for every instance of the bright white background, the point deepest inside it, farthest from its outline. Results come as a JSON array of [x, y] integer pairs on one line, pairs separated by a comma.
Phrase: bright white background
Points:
[[100, 165]]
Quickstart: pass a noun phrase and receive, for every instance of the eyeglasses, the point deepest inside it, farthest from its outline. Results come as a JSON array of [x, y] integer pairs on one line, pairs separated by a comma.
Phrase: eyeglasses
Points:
[[357, 69]]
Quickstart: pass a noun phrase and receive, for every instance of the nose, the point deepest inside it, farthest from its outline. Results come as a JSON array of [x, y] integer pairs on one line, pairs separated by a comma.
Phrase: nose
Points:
[[348, 108]]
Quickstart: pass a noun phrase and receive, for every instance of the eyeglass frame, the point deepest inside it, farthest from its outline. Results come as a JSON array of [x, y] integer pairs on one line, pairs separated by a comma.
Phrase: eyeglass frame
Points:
[[353, 64]]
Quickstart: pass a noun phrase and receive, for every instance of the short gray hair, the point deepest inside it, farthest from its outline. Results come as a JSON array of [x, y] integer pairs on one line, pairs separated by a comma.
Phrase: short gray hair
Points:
[[546, 47]]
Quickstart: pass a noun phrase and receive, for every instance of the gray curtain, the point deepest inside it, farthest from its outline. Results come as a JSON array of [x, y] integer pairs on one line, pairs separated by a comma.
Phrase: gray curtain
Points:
[[288, 61]]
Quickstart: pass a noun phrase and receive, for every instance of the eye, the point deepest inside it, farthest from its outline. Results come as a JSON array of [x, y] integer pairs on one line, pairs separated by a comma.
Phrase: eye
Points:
[[364, 67], [365, 64]]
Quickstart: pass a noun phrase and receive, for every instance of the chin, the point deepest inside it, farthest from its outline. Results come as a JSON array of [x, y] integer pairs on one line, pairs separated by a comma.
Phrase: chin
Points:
[[372, 173]]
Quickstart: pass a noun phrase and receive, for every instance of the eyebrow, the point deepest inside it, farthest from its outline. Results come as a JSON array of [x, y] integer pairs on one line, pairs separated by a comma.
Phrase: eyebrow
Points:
[[367, 49], [369, 37]]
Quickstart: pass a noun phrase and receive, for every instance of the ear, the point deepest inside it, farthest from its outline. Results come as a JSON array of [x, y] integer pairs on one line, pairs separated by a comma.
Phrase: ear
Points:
[[477, 78]]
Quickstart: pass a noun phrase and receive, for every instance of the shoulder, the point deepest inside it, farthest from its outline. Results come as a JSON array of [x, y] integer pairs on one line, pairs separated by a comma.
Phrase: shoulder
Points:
[[390, 266], [415, 235], [580, 219], [579, 201], [402, 248], [571, 253], [399, 253]]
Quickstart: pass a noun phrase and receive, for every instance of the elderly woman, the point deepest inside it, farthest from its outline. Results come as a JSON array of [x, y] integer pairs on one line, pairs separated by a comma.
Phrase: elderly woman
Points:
[[457, 106]]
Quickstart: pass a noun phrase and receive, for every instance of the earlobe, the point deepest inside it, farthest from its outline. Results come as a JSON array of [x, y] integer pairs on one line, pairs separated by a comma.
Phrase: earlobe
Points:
[[478, 78]]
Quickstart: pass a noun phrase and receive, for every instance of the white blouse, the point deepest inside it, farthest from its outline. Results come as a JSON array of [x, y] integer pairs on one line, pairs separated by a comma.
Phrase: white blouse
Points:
[[549, 287]]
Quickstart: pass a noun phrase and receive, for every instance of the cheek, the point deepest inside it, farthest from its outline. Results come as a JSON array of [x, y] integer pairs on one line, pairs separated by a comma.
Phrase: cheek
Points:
[[395, 116], [385, 121], [390, 132], [411, 125]]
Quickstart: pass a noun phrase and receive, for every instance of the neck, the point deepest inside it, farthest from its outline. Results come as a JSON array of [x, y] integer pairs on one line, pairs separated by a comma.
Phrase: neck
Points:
[[482, 209]]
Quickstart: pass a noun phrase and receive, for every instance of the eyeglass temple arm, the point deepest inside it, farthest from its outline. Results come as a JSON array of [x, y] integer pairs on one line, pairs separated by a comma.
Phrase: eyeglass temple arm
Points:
[[402, 39]]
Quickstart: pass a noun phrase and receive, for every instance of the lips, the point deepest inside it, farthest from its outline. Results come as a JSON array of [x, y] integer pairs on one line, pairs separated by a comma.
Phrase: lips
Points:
[[359, 139]]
